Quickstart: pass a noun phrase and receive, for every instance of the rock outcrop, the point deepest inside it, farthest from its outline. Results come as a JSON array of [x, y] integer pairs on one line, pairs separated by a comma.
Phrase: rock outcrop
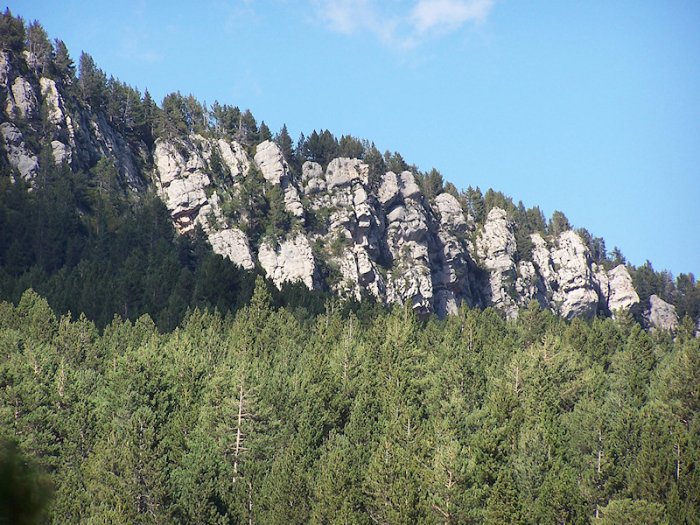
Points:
[[275, 170], [19, 155], [21, 100], [561, 275], [621, 292], [340, 227], [183, 182], [661, 315], [289, 262], [496, 249], [78, 137]]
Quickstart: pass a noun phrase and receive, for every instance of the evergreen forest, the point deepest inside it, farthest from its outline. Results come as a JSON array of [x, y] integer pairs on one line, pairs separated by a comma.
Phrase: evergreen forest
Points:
[[264, 416], [145, 379]]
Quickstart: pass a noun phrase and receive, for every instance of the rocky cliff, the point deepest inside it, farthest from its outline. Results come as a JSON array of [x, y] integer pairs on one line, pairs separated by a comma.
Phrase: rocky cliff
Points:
[[346, 229]]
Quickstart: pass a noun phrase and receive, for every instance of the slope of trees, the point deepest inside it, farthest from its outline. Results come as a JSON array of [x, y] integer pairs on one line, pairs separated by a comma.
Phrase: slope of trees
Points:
[[264, 417], [80, 241]]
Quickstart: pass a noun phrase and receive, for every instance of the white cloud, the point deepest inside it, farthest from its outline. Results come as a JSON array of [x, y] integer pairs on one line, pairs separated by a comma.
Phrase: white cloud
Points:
[[400, 23], [445, 16], [353, 16]]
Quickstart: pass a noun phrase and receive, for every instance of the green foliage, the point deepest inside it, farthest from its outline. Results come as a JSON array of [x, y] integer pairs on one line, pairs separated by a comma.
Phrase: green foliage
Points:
[[632, 512], [320, 147], [12, 33], [351, 147], [558, 223], [40, 47], [185, 390], [63, 64], [474, 204], [431, 183], [113, 259], [92, 82], [324, 417], [24, 492]]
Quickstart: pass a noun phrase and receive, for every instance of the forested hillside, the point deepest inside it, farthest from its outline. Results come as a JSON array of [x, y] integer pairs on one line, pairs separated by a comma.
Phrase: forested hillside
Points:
[[203, 321], [264, 418], [333, 215]]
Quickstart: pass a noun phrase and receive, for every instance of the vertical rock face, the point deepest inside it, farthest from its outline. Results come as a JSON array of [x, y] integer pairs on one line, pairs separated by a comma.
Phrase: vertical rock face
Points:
[[292, 261], [496, 250], [78, 137], [182, 180], [408, 242], [21, 101], [622, 295], [574, 295], [661, 315], [275, 170], [452, 278], [18, 154], [561, 275]]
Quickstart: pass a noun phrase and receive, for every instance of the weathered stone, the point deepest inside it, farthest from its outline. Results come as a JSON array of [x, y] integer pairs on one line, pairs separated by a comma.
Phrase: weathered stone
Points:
[[21, 100], [343, 171], [575, 295], [61, 152], [53, 101], [389, 189], [274, 168], [450, 213], [233, 244], [269, 159], [4, 68], [235, 158], [312, 178], [18, 154], [622, 294], [409, 188], [661, 315], [496, 248], [292, 261]]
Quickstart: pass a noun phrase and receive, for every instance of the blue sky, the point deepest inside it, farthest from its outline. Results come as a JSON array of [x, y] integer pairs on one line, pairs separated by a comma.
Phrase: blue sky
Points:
[[591, 107]]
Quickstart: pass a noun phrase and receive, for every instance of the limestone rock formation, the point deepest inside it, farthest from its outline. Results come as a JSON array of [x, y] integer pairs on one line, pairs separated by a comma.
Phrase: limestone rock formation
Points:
[[575, 295], [349, 230], [661, 315], [496, 250], [275, 170], [452, 275], [18, 154], [622, 295], [291, 261], [21, 101], [183, 183]]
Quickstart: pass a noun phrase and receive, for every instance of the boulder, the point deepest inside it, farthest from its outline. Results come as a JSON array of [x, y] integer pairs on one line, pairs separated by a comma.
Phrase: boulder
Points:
[[233, 244], [450, 213], [234, 157], [389, 189], [53, 101], [270, 161], [312, 178]]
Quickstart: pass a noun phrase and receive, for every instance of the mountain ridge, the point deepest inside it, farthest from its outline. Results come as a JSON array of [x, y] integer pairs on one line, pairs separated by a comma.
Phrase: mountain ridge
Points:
[[334, 215]]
